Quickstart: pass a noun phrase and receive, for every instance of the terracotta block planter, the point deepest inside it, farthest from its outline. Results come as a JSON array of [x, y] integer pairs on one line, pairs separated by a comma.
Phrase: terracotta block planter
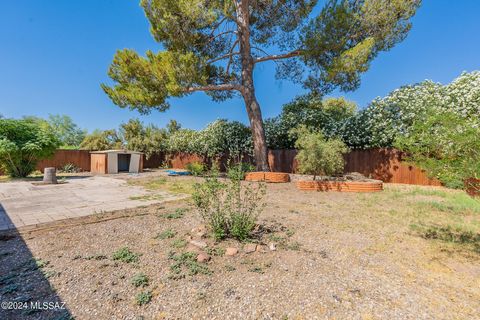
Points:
[[341, 186], [472, 186], [275, 177]]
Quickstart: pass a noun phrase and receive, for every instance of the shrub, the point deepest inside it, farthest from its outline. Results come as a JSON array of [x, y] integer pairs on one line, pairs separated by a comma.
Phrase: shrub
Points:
[[238, 170], [23, 143], [230, 208], [444, 144], [326, 116], [143, 297], [196, 168], [217, 139], [318, 156], [167, 234], [125, 255], [186, 261], [140, 280], [387, 118], [70, 168], [177, 214]]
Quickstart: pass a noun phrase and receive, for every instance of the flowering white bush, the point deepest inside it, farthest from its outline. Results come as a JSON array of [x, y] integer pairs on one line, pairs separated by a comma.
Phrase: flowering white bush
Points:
[[386, 118], [183, 140], [218, 138], [378, 125]]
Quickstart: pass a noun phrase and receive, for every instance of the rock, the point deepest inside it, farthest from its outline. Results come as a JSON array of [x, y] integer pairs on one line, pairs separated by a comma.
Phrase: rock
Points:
[[200, 231], [231, 251], [203, 257], [198, 243], [355, 176], [272, 246], [260, 248], [201, 234], [250, 247], [192, 248]]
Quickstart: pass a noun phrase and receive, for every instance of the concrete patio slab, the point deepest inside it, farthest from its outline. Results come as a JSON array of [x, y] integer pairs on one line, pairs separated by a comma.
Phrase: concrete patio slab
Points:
[[24, 204]]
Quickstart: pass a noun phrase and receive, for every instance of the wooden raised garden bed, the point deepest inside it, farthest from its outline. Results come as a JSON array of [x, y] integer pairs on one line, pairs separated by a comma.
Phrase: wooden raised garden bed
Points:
[[341, 186], [275, 177]]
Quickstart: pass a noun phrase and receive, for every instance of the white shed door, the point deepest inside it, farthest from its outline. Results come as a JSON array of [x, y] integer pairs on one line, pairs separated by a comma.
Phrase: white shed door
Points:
[[112, 163], [134, 163]]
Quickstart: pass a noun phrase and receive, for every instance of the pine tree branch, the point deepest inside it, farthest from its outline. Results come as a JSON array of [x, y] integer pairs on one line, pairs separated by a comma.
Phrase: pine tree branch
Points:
[[212, 38], [216, 87], [292, 54], [228, 55]]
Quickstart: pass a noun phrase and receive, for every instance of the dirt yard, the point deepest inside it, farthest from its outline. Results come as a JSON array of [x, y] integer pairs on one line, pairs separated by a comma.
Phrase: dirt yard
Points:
[[405, 253]]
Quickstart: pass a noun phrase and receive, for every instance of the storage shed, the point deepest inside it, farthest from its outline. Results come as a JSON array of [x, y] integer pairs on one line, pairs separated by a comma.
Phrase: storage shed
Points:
[[115, 161]]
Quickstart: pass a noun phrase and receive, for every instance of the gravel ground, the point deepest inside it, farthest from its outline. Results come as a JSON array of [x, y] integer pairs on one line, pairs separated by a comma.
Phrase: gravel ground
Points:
[[341, 256]]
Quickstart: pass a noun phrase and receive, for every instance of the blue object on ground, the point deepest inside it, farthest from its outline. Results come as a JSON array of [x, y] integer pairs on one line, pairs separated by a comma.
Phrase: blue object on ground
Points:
[[178, 173]]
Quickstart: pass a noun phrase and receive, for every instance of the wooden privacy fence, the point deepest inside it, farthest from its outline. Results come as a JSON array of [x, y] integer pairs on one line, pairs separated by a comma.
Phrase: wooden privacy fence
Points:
[[79, 158], [382, 164], [387, 165]]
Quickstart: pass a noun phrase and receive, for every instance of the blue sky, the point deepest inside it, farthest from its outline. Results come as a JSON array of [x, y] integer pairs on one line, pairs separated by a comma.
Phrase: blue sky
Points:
[[55, 53]]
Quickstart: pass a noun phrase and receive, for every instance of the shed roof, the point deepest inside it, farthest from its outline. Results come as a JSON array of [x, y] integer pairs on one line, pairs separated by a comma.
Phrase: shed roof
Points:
[[117, 151]]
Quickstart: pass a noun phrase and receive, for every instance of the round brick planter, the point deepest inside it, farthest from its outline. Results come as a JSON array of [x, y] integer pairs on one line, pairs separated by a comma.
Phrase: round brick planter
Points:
[[275, 177], [472, 187], [341, 186]]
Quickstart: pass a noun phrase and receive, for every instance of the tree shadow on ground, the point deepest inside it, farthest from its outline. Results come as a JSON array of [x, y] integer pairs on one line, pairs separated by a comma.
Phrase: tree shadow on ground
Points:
[[25, 291]]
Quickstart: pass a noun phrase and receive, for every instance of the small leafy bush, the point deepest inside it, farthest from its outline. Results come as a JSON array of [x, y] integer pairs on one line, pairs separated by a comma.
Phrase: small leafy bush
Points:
[[230, 208], [140, 280], [217, 251], [196, 168], [143, 298], [179, 213], [179, 243], [125, 255], [318, 156], [239, 170], [186, 261], [70, 168], [167, 234]]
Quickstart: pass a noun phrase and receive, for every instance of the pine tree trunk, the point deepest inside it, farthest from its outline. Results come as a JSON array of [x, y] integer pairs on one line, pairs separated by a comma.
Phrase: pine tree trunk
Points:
[[248, 89], [258, 132]]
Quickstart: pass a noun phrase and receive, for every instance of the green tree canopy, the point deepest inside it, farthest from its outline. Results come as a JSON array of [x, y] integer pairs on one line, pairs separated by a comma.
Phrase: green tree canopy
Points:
[[214, 46], [102, 140], [69, 134], [311, 111], [147, 139]]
